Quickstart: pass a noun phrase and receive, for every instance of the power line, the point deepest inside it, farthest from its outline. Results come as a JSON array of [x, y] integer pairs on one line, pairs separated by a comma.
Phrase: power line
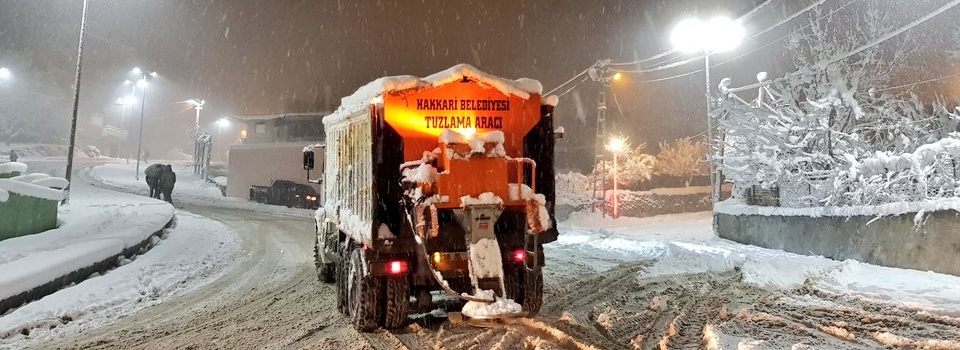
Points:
[[785, 36], [831, 13], [892, 34], [917, 83], [573, 87], [663, 54], [654, 57], [863, 47], [755, 35], [585, 71]]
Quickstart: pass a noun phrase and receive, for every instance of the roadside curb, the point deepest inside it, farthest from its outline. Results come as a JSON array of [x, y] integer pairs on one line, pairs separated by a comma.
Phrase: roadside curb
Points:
[[83, 273]]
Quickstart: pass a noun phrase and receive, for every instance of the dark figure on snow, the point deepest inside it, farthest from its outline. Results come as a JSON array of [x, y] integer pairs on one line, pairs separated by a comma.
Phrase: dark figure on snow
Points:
[[14, 156], [167, 179], [153, 173]]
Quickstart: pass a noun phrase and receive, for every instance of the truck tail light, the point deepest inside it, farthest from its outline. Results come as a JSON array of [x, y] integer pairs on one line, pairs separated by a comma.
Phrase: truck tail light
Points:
[[397, 267], [519, 255]]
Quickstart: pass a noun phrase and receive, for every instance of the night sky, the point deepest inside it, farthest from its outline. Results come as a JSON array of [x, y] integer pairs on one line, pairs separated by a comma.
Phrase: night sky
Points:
[[275, 56]]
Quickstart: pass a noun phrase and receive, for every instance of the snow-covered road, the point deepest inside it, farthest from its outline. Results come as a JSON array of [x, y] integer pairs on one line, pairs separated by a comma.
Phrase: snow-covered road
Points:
[[661, 282]]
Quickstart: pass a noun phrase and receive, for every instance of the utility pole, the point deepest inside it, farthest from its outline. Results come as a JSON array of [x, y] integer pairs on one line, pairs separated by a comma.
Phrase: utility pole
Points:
[[76, 100], [600, 73]]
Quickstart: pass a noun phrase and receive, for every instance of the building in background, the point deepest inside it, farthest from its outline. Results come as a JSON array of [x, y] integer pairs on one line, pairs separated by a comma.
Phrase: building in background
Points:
[[271, 148]]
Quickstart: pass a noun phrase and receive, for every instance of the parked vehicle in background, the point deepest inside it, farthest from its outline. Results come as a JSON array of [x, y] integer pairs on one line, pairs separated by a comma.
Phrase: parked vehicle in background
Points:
[[286, 193]]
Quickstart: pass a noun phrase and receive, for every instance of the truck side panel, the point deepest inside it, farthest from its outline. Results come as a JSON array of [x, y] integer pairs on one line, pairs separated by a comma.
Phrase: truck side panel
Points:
[[348, 178]]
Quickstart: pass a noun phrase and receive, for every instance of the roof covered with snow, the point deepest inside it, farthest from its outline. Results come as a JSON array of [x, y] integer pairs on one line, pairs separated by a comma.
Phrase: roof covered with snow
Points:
[[361, 99]]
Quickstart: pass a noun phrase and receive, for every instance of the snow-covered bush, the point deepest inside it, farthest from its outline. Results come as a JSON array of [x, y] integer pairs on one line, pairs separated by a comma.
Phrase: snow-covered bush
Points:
[[633, 167], [572, 182], [684, 158]]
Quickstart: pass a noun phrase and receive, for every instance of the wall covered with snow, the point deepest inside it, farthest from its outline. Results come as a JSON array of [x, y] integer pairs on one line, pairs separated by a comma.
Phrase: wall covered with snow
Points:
[[927, 241]]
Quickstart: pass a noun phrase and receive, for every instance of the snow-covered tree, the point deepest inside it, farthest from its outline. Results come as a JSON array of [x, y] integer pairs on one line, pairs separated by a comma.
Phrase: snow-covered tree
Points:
[[684, 157], [834, 109], [633, 167]]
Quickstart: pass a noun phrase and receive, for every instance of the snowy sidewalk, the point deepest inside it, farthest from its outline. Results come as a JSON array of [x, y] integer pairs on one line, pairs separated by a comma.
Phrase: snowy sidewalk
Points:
[[97, 226], [684, 243]]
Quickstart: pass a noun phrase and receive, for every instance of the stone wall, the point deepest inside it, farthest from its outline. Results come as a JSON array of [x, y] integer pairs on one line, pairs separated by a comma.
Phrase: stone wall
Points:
[[894, 241]]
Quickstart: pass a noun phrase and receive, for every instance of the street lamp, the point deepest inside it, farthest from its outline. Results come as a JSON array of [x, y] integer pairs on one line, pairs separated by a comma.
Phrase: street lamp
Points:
[[141, 83], [616, 145], [718, 34], [222, 123], [197, 104], [5, 73]]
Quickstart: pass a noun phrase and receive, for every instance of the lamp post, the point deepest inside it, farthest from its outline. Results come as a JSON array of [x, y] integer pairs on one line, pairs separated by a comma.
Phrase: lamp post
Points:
[[76, 101], [197, 104], [601, 74], [141, 83], [616, 145], [719, 34]]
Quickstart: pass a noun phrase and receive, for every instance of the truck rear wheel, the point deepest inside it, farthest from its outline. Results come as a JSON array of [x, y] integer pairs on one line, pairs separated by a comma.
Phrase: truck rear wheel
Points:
[[363, 295], [532, 291], [524, 287], [397, 302], [325, 271], [513, 282], [341, 268]]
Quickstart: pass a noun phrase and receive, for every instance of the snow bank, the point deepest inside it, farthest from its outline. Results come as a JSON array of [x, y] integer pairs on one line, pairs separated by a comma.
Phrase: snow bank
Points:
[[684, 243], [193, 254], [4, 195], [52, 182], [373, 91], [6, 168], [737, 207], [31, 190], [29, 178], [94, 230]]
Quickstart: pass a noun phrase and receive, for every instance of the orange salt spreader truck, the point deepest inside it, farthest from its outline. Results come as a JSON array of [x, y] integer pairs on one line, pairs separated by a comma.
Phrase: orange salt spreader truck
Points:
[[442, 184]]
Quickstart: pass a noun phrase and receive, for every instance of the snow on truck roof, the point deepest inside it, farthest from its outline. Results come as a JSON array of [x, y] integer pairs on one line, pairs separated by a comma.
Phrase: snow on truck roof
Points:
[[262, 117], [360, 100]]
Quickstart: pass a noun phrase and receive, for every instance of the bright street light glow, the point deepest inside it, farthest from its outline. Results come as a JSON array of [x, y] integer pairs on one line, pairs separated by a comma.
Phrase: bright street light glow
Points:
[[223, 122], [617, 144], [153, 74], [142, 83], [686, 35], [617, 76], [723, 34], [130, 100], [719, 34], [5, 73], [136, 70]]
